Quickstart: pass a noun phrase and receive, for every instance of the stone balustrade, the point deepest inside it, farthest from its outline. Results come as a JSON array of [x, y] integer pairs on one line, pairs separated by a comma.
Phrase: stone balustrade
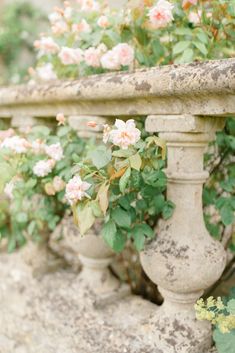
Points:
[[186, 105]]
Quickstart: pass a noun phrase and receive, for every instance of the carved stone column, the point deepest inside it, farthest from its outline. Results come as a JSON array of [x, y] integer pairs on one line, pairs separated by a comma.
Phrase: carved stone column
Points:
[[183, 260], [95, 256]]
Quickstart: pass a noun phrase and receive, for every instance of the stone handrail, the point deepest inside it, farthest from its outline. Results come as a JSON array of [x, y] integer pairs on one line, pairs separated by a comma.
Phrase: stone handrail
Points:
[[199, 88], [186, 105]]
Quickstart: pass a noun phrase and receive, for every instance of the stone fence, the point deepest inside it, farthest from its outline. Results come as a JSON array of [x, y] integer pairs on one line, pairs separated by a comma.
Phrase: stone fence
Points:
[[186, 105]]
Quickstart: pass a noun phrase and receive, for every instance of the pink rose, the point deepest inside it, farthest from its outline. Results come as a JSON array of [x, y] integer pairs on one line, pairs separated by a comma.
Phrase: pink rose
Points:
[[43, 167], [58, 184], [54, 151], [61, 119], [59, 27], [38, 146], [92, 57], [70, 56], [82, 27], [46, 72], [125, 53], [55, 17], [89, 5], [161, 14], [195, 17], [76, 190], [6, 133], [103, 22], [125, 134], [16, 144], [46, 45], [110, 61]]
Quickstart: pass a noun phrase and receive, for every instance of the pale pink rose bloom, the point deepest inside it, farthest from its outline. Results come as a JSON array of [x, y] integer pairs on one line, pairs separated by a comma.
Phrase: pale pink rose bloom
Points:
[[54, 151], [16, 144], [46, 45], [9, 188], [43, 167], [55, 17], [89, 5], [125, 53], [81, 27], [58, 184], [61, 119], [102, 48], [6, 133], [103, 22], [68, 13], [195, 17], [60, 27], [76, 190], [125, 134], [46, 72], [110, 61], [92, 57], [70, 56], [161, 14], [38, 146]]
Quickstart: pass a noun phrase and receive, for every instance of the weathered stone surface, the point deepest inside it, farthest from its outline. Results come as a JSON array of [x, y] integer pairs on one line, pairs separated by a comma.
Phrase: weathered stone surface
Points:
[[205, 88], [183, 260], [53, 316]]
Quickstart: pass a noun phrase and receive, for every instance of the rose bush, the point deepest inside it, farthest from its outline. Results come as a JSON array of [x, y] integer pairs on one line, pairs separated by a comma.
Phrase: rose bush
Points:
[[121, 184], [37, 165]]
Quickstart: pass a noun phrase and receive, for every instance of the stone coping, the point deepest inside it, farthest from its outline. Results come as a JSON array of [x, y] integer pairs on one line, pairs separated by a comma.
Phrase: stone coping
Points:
[[198, 88]]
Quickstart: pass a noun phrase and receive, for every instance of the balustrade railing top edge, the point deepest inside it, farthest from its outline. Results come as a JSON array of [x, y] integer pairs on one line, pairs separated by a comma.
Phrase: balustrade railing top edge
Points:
[[205, 88]]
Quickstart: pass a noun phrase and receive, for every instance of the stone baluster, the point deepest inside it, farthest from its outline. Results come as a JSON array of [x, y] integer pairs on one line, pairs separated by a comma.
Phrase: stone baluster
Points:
[[183, 260], [94, 255]]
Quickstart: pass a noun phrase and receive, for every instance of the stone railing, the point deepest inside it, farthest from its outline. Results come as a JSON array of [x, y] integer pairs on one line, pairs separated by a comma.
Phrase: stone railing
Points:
[[186, 104]]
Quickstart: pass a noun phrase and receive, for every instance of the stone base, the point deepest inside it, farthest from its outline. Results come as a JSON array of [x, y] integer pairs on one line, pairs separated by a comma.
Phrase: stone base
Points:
[[51, 315], [177, 333]]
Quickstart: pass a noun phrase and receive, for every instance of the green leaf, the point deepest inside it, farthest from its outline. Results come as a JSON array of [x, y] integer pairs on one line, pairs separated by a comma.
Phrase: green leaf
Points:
[[231, 307], [202, 36], [168, 210], [227, 214], [123, 153], [31, 227], [41, 131], [183, 31], [135, 161], [158, 142], [11, 244], [201, 47], [85, 218], [121, 218], [22, 217], [109, 232], [186, 57], [155, 178], [225, 342], [147, 230], [63, 131], [101, 157], [139, 240], [180, 47], [119, 242], [124, 180], [159, 203], [103, 197]]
